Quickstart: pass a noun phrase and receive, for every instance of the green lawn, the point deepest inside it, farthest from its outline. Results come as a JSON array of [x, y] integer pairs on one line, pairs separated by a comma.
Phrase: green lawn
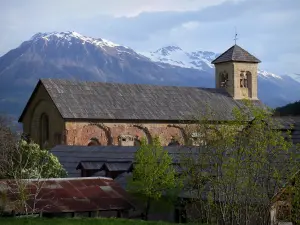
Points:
[[102, 221]]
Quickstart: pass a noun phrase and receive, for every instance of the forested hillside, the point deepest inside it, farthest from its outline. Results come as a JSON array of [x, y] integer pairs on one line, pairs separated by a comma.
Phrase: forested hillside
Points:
[[292, 109]]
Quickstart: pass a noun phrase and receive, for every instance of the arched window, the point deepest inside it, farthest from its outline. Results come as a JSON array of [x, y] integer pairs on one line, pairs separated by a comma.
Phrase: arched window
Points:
[[224, 79], [94, 141], [244, 78], [44, 130]]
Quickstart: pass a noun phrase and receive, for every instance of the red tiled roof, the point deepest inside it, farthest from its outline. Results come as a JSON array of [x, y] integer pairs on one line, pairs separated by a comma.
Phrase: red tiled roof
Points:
[[65, 195]]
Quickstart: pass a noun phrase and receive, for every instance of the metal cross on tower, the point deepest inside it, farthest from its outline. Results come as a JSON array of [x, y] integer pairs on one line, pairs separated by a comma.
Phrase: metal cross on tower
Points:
[[235, 37]]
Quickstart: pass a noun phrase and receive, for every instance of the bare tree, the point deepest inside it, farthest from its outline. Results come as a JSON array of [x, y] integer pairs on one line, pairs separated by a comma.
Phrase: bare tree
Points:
[[8, 141], [27, 185], [20, 162]]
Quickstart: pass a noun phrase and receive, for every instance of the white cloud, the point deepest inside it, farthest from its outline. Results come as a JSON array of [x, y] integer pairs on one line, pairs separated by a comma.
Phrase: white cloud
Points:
[[268, 28], [192, 25], [91, 8]]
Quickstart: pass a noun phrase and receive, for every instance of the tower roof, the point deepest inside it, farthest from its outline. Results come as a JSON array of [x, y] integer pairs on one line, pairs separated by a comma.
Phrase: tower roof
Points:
[[236, 54]]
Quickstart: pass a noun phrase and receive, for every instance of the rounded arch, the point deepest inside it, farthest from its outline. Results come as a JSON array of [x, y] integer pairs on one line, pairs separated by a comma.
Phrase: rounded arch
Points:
[[183, 133], [89, 133], [35, 120], [107, 132], [32, 121], [245, 77], [145, 130]]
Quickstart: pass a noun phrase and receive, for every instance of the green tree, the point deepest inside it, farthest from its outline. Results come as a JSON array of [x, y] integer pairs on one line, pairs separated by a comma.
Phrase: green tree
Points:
[[20, 159], [28, 161], [238, 167], [153, 176], [23, 161]]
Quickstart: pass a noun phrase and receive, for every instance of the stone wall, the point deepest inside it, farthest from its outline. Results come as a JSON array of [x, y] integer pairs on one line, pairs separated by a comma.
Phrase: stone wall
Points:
[[42, 104], [251, 92], [234, 69], [81, 133]]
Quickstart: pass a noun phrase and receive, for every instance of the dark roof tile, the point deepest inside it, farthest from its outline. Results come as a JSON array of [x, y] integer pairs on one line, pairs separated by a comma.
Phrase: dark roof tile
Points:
[[236, 54], [116, 158], [111, 101]]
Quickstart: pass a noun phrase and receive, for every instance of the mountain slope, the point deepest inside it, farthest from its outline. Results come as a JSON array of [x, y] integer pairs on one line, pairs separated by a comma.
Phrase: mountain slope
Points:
[[292, 109], [70, 55]]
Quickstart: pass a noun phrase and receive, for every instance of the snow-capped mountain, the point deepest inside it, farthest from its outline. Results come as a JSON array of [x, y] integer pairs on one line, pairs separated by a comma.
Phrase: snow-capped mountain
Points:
[[174, 55], [70, 55], [200, 60], [70, 36]]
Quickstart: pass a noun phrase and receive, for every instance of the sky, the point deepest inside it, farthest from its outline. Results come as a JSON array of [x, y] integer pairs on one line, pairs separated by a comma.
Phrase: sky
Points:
[[269, 29]]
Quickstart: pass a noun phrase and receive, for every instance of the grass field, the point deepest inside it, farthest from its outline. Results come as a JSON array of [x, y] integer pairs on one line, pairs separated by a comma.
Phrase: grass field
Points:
[[38, 221]]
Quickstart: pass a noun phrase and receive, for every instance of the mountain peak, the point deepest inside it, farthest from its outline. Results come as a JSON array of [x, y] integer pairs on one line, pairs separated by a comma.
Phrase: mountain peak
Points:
[[69, 36], [167, 50]]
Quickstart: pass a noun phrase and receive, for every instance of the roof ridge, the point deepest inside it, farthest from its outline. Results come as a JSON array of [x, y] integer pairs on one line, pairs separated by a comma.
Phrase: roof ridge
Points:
[[236, 54], [129, 84]]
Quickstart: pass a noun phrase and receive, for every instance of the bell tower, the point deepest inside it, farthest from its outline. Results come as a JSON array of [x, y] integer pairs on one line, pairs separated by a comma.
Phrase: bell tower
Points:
[[236, 71]]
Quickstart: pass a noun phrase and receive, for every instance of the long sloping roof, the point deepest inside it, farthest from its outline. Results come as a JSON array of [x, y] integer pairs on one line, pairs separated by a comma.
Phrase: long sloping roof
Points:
[[58, 195], [236, 54], [292, 124], [71, 156], [115, 101]]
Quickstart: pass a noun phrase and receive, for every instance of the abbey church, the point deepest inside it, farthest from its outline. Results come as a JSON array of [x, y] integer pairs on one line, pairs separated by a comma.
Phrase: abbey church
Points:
[[96, 113]]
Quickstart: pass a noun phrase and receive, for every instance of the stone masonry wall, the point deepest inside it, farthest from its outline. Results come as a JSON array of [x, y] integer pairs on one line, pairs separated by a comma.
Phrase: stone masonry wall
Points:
[[81, 133], [42, 104], [233, 86]]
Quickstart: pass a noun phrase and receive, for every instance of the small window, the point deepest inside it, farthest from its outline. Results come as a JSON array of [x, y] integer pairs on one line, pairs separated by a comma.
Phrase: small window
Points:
[[244, 79], [224, 79], [44, 130]]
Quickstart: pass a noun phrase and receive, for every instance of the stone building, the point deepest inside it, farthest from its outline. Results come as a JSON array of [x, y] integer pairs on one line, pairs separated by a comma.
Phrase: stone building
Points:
[[96, 113]]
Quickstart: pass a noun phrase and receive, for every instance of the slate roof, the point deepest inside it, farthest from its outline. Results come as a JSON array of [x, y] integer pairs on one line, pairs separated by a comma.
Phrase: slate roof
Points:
[[291, 123], [109, 166], [118, 166], [114, 101], [89, 165], [115, 157], [59, 195], [236, 54], [118, 157]]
